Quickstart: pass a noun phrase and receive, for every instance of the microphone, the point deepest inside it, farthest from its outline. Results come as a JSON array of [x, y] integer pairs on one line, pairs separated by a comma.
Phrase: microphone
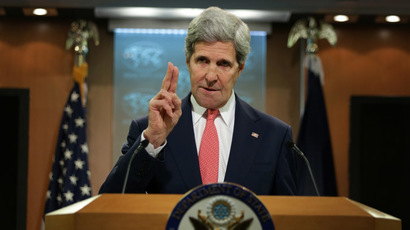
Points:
[[141, 146], [295, 148]]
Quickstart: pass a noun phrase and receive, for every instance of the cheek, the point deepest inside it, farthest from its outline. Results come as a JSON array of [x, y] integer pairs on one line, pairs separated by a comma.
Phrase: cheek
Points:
[[193, 77], [231, 81], [196, 75], [195, 80]]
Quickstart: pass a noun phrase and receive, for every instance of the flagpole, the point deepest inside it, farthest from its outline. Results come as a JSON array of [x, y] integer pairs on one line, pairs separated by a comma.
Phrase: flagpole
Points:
[[69, 178], [314, 135], [301, 80], [308, 29], [80, 32]]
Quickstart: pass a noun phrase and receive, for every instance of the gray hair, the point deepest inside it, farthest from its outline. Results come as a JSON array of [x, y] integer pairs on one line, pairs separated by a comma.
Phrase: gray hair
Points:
[[215, 24]]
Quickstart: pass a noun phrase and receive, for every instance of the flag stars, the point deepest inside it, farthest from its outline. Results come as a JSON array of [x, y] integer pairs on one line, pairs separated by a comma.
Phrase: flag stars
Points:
[[79, 122], [68, 110], [65, 127], [59, 199], [85, 190], [69, 196], [73, 180], [72, 137], [67, 154], [70, 176], [84, 148], [74, 96], [79, 164]]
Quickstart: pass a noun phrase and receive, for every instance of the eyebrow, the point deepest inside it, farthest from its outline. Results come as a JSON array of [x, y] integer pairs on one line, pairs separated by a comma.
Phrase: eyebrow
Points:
[[200, 57], [219, 60]]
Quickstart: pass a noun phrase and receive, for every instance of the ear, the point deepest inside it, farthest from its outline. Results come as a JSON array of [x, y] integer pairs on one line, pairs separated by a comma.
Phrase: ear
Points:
[[241, 66], [187, 61]]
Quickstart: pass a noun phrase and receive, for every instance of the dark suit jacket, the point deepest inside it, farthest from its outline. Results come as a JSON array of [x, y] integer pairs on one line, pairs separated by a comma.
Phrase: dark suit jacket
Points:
[[263, 164]]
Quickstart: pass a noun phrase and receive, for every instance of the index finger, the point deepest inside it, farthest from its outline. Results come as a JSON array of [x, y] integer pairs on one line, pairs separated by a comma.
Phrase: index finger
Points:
[[170, 81]]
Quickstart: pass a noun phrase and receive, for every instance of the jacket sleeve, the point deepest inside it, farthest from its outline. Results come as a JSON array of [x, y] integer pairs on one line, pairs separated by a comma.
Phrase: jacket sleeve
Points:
[[142, 168]]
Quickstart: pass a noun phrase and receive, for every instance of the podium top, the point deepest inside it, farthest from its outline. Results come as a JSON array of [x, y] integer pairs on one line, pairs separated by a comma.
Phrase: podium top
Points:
[[141, 211]]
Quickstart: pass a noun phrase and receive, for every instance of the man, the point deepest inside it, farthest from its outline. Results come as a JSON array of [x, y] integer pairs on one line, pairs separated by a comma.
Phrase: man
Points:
[[249, 147]]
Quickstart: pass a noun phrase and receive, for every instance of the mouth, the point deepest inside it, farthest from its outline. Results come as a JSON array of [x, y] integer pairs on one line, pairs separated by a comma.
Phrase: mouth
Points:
[[209, 89]]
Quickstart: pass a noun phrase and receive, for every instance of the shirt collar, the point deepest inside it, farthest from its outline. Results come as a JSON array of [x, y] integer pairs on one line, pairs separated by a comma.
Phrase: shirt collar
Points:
[[227, 112]]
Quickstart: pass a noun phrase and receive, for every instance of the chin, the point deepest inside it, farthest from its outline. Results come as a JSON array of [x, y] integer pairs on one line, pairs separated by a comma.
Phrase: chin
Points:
[[209, 104]]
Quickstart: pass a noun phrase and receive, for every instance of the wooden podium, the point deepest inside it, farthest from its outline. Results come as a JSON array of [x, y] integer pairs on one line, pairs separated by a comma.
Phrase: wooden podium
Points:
[[140, 211]]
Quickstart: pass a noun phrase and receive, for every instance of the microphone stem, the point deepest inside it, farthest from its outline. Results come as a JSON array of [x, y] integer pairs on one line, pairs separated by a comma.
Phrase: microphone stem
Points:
[[142, 145], [311, 174], [127, 173], [300, 153]]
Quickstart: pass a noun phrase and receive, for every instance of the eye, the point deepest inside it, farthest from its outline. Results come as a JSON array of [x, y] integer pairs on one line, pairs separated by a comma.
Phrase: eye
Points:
[[202, 60], [224, 63]]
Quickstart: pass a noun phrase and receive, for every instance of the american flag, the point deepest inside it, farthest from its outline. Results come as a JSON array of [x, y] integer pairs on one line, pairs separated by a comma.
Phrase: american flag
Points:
[[70, 177]]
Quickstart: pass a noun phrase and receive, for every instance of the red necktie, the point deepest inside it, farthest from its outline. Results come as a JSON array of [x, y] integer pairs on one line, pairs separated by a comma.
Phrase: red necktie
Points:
[[209, 150]]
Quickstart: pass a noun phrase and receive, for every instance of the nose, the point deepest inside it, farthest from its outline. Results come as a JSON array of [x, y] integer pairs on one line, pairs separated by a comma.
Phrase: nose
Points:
[[212, 74]]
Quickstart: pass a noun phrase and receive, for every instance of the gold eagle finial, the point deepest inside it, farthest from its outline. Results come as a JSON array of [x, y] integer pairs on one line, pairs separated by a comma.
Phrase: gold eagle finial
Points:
[[307, 29], [79, 33]]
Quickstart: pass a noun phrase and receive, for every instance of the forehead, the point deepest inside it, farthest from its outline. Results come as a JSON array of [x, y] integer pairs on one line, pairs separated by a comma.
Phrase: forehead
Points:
[[224, 50]]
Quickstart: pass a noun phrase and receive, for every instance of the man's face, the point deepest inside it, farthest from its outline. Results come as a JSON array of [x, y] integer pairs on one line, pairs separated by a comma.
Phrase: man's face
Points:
[[213, 71]]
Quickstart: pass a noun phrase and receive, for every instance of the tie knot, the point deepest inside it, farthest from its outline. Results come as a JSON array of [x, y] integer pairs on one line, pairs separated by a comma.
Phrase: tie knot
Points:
[[212, 113]]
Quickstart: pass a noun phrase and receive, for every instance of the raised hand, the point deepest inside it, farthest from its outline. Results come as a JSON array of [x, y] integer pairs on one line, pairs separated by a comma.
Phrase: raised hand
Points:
[[164, 109]]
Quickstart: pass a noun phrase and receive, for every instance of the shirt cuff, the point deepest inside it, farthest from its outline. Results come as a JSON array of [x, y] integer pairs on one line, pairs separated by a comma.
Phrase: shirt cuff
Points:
[[150, 147]]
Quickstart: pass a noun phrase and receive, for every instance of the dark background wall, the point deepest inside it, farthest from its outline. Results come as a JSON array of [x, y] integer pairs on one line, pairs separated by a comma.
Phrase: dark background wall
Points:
[[368, 60]]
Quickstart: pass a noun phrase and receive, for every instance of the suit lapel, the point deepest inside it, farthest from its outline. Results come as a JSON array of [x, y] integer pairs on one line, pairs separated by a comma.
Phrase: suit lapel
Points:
[[245, 142], [182, 149]]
